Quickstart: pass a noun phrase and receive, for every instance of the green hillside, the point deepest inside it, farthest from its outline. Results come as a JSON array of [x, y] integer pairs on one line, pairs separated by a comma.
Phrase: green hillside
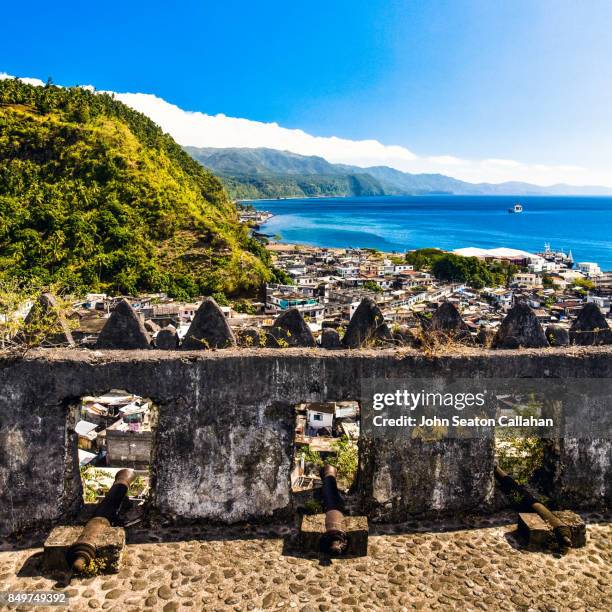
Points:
[[243, 187], [267, 173], [93, 195], [261, 161]]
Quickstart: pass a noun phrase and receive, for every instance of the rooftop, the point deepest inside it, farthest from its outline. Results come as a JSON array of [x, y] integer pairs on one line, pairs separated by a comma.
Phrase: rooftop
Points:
[[502, 253]]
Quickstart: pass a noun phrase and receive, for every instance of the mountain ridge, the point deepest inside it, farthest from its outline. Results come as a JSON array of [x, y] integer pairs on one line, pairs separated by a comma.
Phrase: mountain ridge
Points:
[[264, 172]]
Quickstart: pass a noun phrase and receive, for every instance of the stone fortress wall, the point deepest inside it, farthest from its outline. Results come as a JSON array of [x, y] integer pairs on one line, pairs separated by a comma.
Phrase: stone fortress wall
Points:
[[224, 443]]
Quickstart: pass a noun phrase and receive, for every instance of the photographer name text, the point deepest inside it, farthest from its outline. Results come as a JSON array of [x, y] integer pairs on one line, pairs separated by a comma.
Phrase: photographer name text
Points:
[[457, 421]]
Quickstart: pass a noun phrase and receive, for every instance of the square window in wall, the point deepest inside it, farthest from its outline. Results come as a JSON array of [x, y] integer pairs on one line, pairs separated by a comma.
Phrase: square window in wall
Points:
[[325, 432], [114, 431]]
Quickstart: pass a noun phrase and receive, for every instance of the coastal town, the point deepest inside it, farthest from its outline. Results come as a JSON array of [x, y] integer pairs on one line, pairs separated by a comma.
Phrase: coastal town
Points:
[[326, 285]]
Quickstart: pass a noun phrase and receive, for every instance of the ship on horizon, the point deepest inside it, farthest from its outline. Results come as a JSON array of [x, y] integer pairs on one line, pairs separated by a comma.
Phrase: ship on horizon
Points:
[[517, 208]]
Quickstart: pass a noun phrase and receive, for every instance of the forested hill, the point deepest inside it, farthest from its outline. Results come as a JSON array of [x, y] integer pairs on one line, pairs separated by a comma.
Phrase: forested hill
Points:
[[268, 173], [93, 195]]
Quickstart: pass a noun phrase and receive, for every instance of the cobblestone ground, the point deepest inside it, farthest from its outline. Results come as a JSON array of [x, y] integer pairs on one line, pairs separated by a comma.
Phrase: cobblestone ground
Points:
[[470, 564]]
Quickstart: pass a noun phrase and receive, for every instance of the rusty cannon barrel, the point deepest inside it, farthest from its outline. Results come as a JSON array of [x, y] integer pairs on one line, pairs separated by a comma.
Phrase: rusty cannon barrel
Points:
[[334, 541], [562, 532], [83, 551]]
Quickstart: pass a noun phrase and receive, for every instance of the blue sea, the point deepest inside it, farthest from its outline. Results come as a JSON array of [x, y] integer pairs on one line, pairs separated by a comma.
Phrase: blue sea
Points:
[[390, 223]]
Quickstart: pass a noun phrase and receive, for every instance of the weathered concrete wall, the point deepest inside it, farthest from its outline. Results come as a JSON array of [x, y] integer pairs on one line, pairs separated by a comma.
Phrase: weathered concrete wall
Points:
[[416, 476], [223, 448]]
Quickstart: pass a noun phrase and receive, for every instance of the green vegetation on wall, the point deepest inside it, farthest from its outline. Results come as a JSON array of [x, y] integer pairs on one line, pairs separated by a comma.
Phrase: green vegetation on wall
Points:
[[93, 195]]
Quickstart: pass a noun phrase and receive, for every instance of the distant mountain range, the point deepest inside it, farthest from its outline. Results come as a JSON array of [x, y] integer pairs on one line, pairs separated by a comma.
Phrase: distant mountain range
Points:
[[269, 173]]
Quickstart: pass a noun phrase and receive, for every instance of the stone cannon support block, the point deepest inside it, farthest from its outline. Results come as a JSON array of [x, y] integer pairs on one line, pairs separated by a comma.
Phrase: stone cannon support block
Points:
[[540, 534], [111, 545], [535, 529], [312, 527], [576, 524]]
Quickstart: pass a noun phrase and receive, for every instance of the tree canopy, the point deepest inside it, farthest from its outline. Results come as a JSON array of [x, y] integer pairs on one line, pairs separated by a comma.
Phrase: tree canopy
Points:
[[458, 269], [93, 195]]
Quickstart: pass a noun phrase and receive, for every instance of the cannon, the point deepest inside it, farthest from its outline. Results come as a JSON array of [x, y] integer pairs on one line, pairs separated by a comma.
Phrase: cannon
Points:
[[562, 532], [334, 541], [83, 551]]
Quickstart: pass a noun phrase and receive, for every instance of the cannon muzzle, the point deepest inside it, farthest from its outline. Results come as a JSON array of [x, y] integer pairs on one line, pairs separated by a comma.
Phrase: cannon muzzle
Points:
[[562, 532], [334, 541], [83, 551]]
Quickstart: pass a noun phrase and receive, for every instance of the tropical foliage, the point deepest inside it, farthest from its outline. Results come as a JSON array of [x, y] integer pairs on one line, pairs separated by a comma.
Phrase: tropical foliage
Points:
[[346, 461], [44, 325], [372, 286], [456, 268], [94, 195], [244, 187], [268, 173]]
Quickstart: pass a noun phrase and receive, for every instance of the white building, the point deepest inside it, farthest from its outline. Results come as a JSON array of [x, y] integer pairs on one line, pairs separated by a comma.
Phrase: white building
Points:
[[543, 266], [571, 275], [604, 302], [347, 271], [319, 415], [382, 282], [297, 271], [186, 312], [402, 268], [590, 269], [526, 279]]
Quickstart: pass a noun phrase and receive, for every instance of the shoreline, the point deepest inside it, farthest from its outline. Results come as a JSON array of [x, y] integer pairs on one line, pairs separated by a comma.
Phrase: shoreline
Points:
[[279, 245], [601, 196], [326, 197], [414, 220]]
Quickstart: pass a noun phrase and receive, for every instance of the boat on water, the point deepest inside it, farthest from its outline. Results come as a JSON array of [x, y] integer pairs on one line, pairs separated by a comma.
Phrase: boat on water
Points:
[[517, 208]]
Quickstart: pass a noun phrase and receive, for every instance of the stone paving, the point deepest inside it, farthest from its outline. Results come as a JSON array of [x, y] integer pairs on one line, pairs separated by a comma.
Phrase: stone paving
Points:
[[471, 563]]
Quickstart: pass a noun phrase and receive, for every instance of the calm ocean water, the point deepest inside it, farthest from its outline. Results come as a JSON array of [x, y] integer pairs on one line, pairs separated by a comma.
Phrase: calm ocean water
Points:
[[389, 223]]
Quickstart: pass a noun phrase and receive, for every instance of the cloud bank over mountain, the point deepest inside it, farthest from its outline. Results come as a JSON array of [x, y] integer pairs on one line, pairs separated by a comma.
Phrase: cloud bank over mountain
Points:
[[198, 129], [202, 130]]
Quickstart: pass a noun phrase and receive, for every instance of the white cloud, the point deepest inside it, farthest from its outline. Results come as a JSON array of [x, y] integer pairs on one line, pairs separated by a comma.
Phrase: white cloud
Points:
[[26, 80], [202, 130]]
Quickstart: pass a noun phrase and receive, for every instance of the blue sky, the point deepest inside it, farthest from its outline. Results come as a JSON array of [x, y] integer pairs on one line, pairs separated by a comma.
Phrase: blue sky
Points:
[[458, 80]]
